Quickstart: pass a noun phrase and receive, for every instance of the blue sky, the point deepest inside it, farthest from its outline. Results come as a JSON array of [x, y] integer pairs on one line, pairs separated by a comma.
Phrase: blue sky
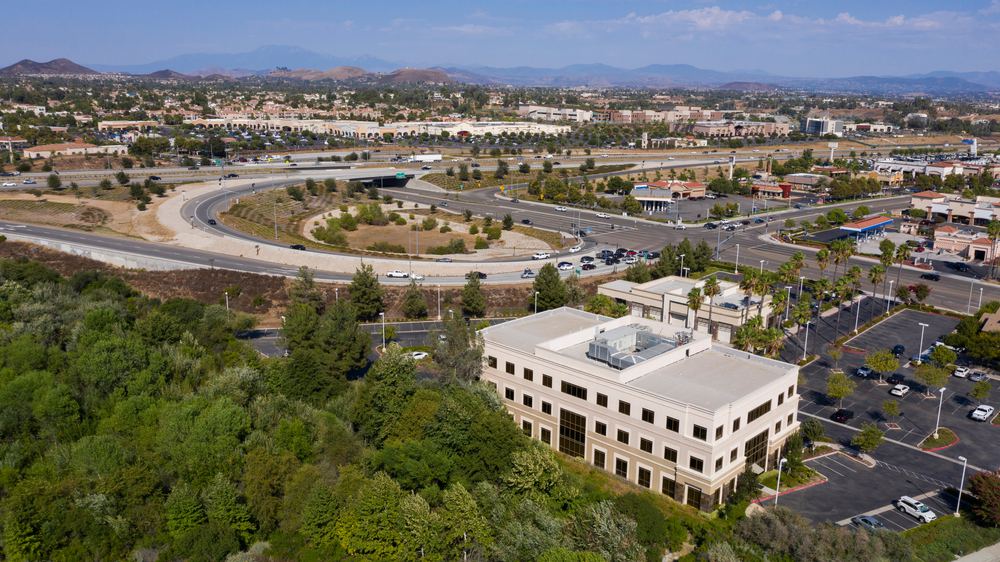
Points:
[[793, 37]]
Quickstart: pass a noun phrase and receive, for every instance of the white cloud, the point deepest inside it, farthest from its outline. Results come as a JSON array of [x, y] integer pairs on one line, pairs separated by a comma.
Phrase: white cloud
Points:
[[473, 30]]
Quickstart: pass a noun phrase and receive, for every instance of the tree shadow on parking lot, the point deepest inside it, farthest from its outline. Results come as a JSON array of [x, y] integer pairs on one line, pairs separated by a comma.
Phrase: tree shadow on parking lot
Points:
[[962, 400]]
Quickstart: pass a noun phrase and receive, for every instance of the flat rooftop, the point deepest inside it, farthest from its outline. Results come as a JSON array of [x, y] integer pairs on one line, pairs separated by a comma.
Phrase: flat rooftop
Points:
[[525, 333]]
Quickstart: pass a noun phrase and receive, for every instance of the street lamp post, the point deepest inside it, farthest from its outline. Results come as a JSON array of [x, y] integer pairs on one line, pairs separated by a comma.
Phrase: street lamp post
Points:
[[762, 262], [788, 300], [336, 293], [972, 285], [798, 296], [958, 504], [536, 302], [980, 297], [937, 424], [857, 315], [382, 314], [888, 298], [805, 346], [737, 268], [439, 302], [920, 350], [777, 491], [682, 265]]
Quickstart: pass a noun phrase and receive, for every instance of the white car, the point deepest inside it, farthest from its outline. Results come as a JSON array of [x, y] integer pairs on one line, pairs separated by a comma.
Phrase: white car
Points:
[[418, 355], [915, 509], [565, 266], [395, 273], [961, 372], [29, 182], [540, 256], [575, 249], [9, 184], [561, 209], [982, 413], [899, 390], [680, 226], [603, 216], [631, 260], [709, 196], [417, 277]]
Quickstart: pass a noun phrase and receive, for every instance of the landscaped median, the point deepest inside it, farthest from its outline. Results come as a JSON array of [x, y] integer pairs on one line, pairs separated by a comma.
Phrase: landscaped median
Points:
[[945, 438], [947, 537]]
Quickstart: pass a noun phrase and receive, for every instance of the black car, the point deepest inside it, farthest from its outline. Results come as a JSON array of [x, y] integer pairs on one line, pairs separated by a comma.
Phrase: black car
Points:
[[842, 416], [212, 222], [895, 379], [959, 266], [868, 523], [711, 225], [745, 222], [476, 274], [297, 247], [475, 164], [898, 350], [154, 178], [588, 266], [586, 259], [232, 175], [526, 221], [612, 261], [931, 276], [605, 254]]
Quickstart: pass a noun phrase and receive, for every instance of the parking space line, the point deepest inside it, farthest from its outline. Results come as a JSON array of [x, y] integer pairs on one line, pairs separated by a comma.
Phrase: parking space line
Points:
[[847, 468], [829, 468]]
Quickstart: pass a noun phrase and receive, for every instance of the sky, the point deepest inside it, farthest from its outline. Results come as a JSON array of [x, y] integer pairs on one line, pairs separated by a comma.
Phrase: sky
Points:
[[784, 37]]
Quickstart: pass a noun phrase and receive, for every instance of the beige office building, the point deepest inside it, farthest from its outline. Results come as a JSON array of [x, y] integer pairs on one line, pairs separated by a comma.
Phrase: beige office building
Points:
[[666, 300], [665, 409]]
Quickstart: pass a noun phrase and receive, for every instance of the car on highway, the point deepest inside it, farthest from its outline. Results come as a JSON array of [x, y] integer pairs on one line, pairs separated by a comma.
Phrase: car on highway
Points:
[[561, 209], [575, 249], [397, 274], [863, 372], [541, 256], [758, 220], [729, 227], [476, 274], [842, 416], [982, 413], [232, 175], [900, 390], [426, 168], [588, 267], [605, 254], [8, 184], [680, 226], [475, 164], [977, 376], [526, 221], [444, 260], [931, 276], [915, 509], [961, 372], [711, 225], [898, 350], [29, 182], [212, 222], [416, 277], [603, 216], [631, 260], [419, 355], [613, 260], [155, 178], [587, 259], [527, 274], [297, 247], [868, 523], [565, 266], [194, 167]]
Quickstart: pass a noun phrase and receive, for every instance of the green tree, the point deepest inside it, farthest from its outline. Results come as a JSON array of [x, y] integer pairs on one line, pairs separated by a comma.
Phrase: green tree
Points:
[[943, 357], [366, 293], [694, 300], [460, 352], [606, 306], [222, 506], [932, 376], [868, 439], [464, 529], [508, 222], [882, 361], [891, 409], [53, 181], [602, 529], [414, 303], [550, 288], [183, 509], [839, 386], [985, 486], [473, 299], [384, 396], [981, 390]]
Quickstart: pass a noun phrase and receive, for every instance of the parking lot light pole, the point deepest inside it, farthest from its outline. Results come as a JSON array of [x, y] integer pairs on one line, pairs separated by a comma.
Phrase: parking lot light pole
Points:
[[788, 300], [762, 262], [536, 302], [382, 314], [958, 504], [805, 346], [888, 298], [972, 285], [920, 350], [777, 490], [737, 268], [980, 297], [937, 424], [857, 315], [798, 296], [682, 265]]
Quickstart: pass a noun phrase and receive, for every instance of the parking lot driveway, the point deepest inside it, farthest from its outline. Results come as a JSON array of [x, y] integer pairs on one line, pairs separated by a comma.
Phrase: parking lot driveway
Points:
[[826, 329], [903, 328]]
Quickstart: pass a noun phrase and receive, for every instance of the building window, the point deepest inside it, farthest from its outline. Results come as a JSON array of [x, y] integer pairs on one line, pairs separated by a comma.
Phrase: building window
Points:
[[509, 367], [673, 424], [700, 433], [621, 468], [574, 390], [623, 436], [546, 381], [791, 391], [529, 375], [508, 393], [645, 477], [624, 407], [599, 458], [718, 463], [733, 453], [718, 432], [696, 464], [600, 428], [736, 425], [602, 400], [791, 418], [572, 433], [755, 450], [670, 454], [546, 408], [759, 411], [694, 497], [491, 361], [648, 416], [777, 427], [526, 427], [646, 445], [527, 400], [781, 399], [545, 435], [668, 486]]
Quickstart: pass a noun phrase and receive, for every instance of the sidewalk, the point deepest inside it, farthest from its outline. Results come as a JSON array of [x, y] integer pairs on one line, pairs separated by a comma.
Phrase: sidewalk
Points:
[[988, 554]]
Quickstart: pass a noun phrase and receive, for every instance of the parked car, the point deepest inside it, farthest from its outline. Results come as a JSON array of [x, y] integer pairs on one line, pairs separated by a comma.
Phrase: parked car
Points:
[[982, 413], [540, 256], [931, 276], [397, 274], [961, 372], [900, 390], [868, 523], [477, 274], [565, 266], [898, 350], [864, 372], [561, 209], [418, 355], [977, 376], [895, 378], [915, 509], [842, 416]]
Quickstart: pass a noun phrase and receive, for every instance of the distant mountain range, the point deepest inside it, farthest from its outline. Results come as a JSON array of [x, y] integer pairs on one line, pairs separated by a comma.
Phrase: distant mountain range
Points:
[[294, 63]]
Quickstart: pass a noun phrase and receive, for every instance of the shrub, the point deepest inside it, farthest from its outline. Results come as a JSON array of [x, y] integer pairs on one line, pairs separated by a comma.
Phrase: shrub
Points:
[[400, 221], [492, 233], [429, 223], [473, 230], [456, 246], [444, 229], [387, 247], [481, 243]]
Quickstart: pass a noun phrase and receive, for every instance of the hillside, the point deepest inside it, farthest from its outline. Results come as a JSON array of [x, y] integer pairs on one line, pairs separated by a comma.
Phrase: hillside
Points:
[[336, 73], [55, 66], [416, 75]]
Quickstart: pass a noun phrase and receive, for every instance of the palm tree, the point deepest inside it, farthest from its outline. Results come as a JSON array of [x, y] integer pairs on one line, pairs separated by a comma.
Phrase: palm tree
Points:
[[821, 287], [822, 261], [761, 288], [711, 290], [993, 231], [798, 261], [876, 275], [802, 314], [886, 257], [902, 254], [694, 303], [778, 300]]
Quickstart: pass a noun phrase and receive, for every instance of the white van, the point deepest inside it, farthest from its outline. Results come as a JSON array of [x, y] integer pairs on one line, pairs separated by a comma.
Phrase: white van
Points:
[[915, 509]]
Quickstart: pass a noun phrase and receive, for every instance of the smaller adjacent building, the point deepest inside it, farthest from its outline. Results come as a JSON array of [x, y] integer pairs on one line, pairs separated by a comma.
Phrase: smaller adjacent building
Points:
[[952, 208], [771, 190], [966, 243], [870, 227], [659, 195], [823, 126], [73, 149], [806, 181], [666, 300]]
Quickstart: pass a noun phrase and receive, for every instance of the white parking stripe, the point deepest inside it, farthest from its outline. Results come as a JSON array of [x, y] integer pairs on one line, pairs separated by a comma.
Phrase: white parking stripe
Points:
[[848, 468], [831, 469]]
